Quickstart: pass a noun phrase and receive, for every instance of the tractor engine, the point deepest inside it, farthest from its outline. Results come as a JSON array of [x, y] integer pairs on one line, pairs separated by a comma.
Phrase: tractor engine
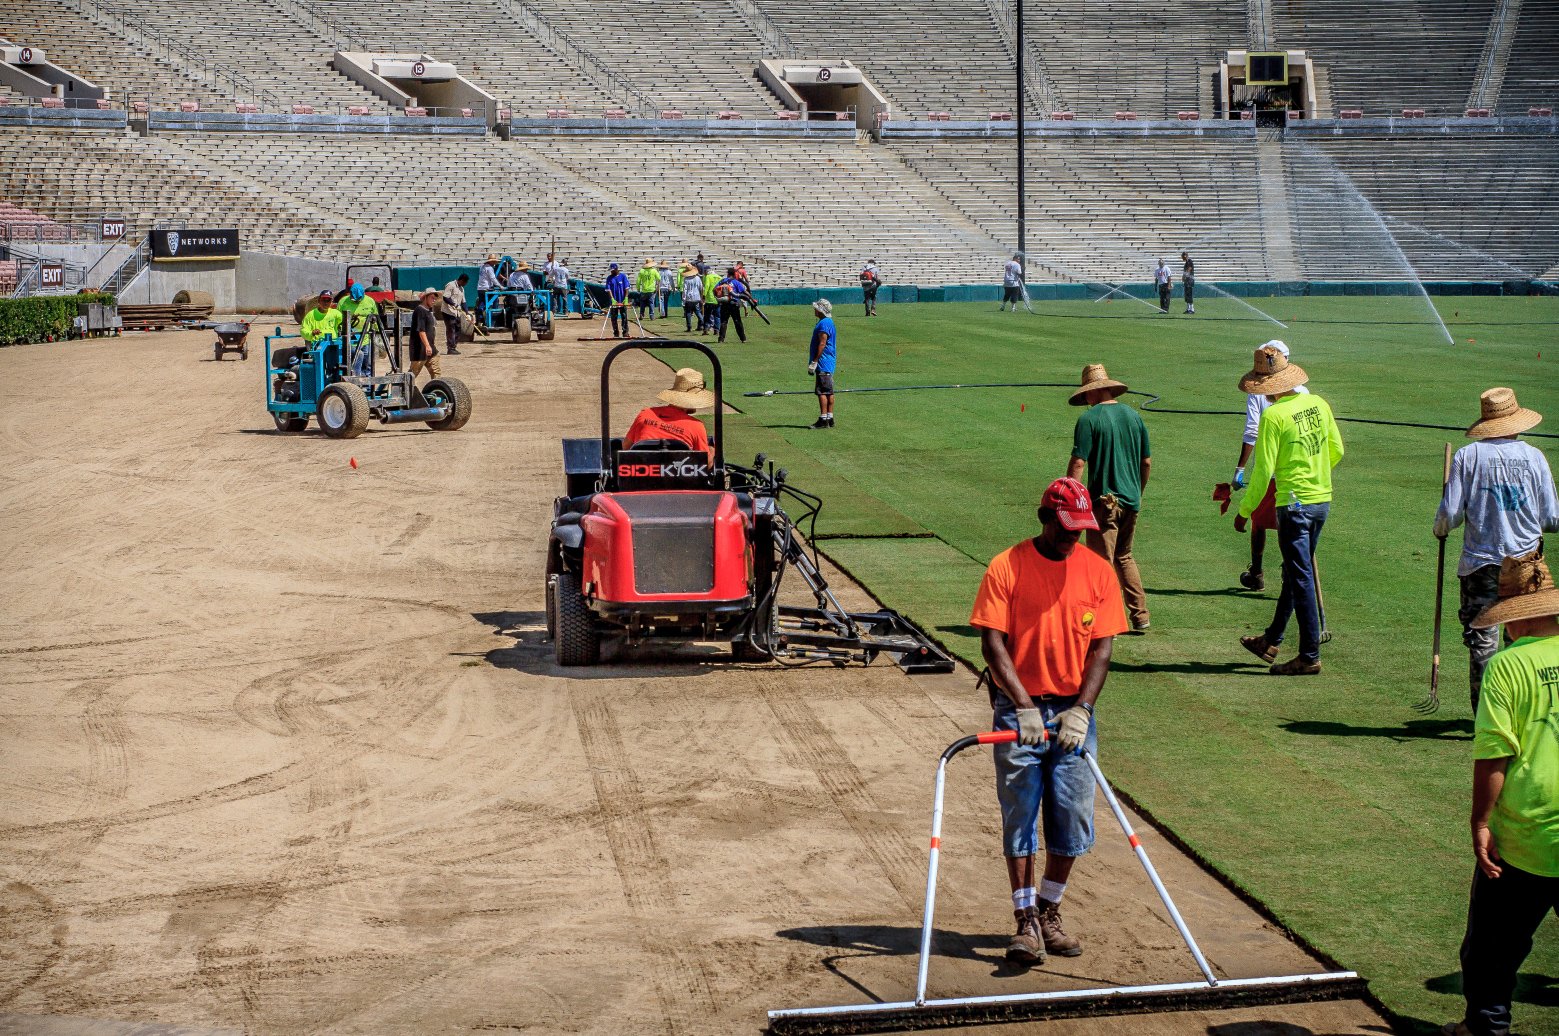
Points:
[[688, 550]]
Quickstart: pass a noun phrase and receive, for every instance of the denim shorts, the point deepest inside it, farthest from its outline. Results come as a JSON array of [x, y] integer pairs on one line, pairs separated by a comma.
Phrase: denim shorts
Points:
[[1038, 783]]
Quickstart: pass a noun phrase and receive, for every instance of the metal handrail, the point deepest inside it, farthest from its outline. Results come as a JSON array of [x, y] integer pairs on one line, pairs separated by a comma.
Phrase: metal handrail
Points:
[[766, 29], [559, 42], [135, 262], [1043, 91]]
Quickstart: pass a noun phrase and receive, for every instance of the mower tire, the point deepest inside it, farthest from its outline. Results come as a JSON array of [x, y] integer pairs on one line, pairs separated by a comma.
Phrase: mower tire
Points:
[[578, 640], [290, 423], [742, 650], [519, 331], [216, 352], [243, 352], [547, 333], [342, 411], [451, 392]]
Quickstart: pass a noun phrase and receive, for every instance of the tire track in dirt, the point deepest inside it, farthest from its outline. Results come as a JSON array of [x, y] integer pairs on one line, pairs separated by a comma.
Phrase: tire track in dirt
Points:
[[815, 749], [681, 984]]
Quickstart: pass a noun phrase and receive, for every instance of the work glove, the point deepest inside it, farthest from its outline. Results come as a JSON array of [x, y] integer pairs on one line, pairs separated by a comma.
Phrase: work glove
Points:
[[1072, 729], [1031, 726], [1240, 482], [812, 368]]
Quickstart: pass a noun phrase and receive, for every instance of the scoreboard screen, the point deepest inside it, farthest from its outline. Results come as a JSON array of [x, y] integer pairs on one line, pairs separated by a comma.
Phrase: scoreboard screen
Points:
[[1267, 69]]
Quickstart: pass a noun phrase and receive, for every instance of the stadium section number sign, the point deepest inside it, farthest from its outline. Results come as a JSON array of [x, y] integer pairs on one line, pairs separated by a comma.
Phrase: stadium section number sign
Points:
[[178, 245], [1267, 69], [113, 230], [51, 275]]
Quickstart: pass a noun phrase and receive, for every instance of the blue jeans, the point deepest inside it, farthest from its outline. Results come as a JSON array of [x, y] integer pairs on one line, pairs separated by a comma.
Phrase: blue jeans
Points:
[[1299, 532], [1024, 775]]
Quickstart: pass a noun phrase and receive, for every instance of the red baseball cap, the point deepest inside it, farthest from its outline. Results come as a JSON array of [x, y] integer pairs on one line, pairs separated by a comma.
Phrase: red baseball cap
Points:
[[1068, 498]]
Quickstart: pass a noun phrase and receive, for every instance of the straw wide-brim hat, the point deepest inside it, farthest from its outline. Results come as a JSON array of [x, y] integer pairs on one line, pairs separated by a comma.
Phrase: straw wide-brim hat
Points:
[[428, 291], [664, 265], [521, 265], [649, 262], [1095, 378], [492, 257], [1526, 591], [1502, 416], [688, 391], [1272, 374]]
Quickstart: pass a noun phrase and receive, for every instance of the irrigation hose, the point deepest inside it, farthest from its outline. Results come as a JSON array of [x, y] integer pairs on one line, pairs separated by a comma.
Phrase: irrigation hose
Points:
[[1148, 406]]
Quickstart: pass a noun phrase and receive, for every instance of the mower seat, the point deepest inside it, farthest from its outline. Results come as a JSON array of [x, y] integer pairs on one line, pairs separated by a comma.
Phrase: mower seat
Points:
[[289, 356]]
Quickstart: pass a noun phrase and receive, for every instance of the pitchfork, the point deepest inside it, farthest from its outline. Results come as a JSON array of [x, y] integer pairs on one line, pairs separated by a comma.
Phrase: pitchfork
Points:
[[1431, 704]]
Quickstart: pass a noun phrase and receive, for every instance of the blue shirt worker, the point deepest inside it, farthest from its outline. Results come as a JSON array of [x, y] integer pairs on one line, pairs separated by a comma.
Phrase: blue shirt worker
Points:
[[822, 357], [730, 291], [1503, 491], [617, 288]]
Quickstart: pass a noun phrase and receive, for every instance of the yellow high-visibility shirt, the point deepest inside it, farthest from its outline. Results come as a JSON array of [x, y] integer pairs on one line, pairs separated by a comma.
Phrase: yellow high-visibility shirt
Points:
[[320, 323]]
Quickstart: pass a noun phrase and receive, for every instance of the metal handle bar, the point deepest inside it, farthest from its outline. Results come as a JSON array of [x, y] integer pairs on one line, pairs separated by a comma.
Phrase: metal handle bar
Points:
[[997, 737]]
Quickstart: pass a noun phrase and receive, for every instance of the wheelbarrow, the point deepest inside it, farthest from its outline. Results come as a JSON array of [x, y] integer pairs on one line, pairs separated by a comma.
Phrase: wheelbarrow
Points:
[[231, 338]]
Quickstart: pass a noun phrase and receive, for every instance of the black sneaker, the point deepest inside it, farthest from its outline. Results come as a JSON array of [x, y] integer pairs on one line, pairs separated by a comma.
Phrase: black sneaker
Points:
[[830, 422], [820, 423]]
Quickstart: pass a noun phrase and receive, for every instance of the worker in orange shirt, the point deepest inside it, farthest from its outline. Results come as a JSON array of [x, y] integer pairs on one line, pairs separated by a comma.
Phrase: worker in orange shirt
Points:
[[1048, 614]]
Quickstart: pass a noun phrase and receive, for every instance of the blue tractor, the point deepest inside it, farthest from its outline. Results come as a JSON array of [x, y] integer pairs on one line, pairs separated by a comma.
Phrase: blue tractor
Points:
[[523, 311], [336, 381]]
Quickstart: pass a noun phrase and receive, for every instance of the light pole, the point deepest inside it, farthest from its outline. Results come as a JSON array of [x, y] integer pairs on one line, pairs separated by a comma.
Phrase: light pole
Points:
[[1022, 207]]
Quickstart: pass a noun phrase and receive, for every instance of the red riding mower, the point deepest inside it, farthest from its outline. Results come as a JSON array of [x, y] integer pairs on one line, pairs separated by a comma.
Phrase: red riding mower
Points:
[[658, 541]]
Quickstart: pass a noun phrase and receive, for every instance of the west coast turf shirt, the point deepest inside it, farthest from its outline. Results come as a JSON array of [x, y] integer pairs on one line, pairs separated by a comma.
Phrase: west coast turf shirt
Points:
[[1297, 444], [1518, 719]]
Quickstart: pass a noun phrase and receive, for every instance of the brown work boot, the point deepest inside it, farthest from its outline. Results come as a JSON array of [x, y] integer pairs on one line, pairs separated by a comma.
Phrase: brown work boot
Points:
[[1026, 947], [1297, 666], [1057, 942], [1259, 647]]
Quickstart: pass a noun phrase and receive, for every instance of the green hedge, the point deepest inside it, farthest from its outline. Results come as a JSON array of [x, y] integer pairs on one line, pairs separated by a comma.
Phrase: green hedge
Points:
[[42, 318]]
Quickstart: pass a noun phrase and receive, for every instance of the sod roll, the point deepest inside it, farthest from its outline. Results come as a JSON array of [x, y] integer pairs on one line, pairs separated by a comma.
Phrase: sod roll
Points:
[[197, 299]]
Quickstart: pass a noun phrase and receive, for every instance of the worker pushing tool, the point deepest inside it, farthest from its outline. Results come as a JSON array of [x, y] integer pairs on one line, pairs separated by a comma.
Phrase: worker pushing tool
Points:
[[1048, 614]]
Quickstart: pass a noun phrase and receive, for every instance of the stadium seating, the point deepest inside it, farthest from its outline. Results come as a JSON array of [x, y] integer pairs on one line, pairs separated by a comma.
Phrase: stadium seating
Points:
[[483, 42], [924, 56], [1532, 71], [1108, 209], [699, 58], [1418, 53], [1487, 213], [98, 55], [260, 41], [1137, 55]]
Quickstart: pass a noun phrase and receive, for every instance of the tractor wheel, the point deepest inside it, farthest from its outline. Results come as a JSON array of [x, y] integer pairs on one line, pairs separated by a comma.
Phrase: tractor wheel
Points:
[[548, 334], [216, 352], [520, 330], [743, 651], [290, 423], [552, 607], [342, 411], [578, 641], [451, 392]]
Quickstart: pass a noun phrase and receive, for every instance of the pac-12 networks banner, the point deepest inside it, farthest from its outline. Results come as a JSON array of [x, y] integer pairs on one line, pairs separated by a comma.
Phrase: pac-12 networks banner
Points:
[[173, 245]]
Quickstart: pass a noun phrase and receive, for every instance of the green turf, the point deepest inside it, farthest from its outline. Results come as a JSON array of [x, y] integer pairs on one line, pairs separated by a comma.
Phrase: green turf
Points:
[[1328, 799]]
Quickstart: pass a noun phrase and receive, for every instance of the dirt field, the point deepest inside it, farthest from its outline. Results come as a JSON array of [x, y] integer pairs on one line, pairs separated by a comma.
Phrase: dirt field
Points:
[[285, 751]]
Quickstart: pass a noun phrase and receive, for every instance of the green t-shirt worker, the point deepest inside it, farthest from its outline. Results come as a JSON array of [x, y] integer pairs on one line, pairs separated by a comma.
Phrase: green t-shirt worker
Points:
[[1515, 795], [1297, 445], [1110, 444]]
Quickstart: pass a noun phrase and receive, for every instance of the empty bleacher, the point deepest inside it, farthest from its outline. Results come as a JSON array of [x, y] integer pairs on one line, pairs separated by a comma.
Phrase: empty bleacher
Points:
[[1532, 70], [1481, 208], [925, 57], [699, 58], [1385, 57], [260, 41], [1106, 210], [96, 54], [1133, 55], [70, 176], [484, 41]]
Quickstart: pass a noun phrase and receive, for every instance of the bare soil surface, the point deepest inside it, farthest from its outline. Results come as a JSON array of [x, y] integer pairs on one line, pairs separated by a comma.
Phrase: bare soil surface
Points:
[[285, 750]]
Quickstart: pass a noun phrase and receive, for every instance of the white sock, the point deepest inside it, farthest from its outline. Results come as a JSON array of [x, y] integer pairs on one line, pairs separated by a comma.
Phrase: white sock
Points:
[[1051, 891], [1023, 899]]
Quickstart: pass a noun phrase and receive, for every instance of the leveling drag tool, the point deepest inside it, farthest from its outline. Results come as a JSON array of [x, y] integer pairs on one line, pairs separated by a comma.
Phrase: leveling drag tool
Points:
[[925, 1013]]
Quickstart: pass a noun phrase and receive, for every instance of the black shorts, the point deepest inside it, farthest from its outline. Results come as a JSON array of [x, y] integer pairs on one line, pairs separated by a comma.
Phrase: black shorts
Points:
[[1011, 293], [825, 383]]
